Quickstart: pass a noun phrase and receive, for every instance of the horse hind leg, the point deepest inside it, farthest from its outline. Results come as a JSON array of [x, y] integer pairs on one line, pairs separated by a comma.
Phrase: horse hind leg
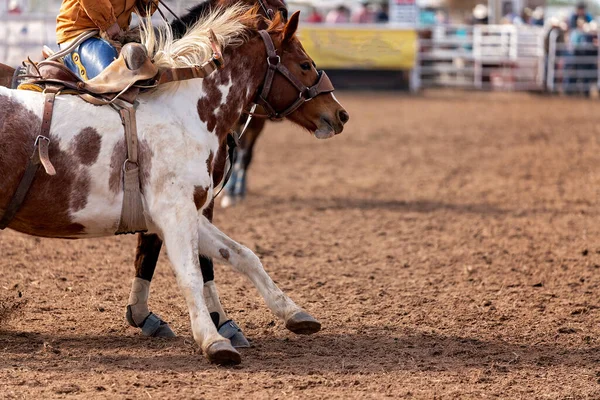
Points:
[[226, 326], [215, 244]]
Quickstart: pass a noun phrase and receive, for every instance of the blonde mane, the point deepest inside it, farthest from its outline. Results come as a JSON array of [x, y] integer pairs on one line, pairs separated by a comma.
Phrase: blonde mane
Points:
[[230, 25]]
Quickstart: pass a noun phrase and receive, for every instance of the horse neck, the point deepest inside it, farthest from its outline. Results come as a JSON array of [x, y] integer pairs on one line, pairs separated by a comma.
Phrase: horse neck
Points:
[[227, 93]]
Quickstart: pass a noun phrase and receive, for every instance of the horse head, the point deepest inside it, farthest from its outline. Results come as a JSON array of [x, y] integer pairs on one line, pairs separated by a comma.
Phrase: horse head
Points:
[[293, 87]]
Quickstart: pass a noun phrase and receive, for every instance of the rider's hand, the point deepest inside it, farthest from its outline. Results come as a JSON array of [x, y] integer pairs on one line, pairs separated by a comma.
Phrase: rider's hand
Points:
[[114, 31]]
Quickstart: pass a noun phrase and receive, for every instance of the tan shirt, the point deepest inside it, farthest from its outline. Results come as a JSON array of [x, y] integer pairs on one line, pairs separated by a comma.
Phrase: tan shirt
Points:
[[79, 16]]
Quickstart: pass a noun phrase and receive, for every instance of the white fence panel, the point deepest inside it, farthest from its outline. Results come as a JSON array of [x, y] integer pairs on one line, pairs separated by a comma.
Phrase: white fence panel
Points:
[[23, 36], [484, 57]]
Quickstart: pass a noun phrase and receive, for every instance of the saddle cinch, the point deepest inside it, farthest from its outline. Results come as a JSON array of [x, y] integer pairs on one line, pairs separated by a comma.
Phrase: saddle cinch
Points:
[[118, 87]]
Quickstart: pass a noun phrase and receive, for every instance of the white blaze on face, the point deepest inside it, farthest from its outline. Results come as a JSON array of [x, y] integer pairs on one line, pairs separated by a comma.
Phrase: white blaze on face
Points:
[[336, 100]]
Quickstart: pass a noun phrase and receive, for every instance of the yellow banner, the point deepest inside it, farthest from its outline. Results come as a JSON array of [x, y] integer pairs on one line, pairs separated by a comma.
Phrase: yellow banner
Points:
[[358, 48]]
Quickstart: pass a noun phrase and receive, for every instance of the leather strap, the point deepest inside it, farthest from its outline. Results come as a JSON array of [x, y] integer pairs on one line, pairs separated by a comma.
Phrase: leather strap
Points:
[[39, 157], [43, 141], [187, 73], [275, 65], [269, 13], [132, 212], [129, 122], [233, 143]]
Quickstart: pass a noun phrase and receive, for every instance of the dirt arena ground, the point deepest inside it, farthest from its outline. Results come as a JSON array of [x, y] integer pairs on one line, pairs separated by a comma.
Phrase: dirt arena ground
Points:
[[449, 243]]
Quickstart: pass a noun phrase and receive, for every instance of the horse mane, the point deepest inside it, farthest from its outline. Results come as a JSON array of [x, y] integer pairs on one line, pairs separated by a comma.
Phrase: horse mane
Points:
[[232, 25]]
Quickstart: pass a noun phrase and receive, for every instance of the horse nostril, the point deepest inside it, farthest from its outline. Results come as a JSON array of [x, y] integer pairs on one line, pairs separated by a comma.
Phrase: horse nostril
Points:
[[343, 116]]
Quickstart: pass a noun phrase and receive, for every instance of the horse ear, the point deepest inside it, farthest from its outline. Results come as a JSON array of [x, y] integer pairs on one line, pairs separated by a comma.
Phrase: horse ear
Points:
[[291, 27]]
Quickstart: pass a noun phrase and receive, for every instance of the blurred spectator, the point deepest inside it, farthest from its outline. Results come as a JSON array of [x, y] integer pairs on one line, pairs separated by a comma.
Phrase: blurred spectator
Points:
[[524, 18], [339, 15], [382, 16], [480, 14], [582, 60], [580, 12], [314, 17], [14, 8], [363, 14], [537, 18]]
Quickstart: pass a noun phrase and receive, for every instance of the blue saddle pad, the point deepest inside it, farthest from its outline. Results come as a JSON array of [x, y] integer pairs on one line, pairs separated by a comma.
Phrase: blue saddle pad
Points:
[[90, 58]]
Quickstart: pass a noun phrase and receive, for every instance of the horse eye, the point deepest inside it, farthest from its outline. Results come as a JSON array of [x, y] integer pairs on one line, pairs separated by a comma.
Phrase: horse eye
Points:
[[305, 66], [284, 14]]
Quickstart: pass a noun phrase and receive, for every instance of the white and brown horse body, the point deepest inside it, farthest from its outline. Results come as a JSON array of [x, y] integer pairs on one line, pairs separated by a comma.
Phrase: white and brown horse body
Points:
[[88, 150], [180, 130]]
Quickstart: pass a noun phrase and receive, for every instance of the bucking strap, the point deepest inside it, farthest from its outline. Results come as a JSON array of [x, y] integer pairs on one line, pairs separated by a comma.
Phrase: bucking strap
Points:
[[39, 157]]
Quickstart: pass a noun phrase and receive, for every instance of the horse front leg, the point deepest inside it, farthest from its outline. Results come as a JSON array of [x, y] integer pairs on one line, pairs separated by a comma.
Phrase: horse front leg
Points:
[[215, 244], [180, 235], [225, 325], [138, 314]]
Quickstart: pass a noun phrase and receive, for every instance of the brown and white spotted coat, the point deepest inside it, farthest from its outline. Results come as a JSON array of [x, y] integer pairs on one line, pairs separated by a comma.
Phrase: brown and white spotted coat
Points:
[[179, 129]]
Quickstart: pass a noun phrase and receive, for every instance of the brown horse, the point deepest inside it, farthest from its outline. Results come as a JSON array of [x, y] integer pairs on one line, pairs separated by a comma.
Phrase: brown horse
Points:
[[181, 129]]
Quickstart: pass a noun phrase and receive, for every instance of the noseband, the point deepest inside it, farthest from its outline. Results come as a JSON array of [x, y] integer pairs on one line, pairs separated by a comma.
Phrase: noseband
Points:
[[305, 94]]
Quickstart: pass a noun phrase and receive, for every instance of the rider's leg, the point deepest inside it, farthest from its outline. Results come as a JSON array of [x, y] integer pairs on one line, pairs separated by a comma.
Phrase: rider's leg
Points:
[[90, 58]]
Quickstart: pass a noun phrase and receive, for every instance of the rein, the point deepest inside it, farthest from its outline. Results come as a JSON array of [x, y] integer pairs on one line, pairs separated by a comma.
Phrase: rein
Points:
[[161, 2], [268, 12]]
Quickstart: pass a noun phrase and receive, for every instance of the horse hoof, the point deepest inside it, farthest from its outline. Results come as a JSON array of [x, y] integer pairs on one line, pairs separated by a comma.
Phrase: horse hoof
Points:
[[302, 323], [222, 353]]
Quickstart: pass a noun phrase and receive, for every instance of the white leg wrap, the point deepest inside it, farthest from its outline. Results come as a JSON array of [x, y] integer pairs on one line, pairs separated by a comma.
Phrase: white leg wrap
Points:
[[138, 300], [211, 297]]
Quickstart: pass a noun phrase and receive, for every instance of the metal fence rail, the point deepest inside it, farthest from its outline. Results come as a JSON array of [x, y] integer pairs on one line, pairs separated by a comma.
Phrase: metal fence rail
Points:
[[572, 67], [481, 57]]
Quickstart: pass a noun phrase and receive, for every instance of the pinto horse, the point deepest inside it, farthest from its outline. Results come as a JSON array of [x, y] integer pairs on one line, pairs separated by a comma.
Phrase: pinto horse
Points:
[[149, 245], [181, 128]]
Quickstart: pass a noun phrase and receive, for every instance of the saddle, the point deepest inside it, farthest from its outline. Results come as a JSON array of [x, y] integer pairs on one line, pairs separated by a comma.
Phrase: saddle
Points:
[[117, 86]]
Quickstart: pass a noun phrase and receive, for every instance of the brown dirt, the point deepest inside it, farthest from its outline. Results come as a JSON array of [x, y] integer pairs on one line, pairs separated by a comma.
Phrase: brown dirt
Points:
[[449, 243]]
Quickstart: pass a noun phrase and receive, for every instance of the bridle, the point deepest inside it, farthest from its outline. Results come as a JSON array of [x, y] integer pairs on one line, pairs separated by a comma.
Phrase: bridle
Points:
[[269, 13], [305, 94]]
